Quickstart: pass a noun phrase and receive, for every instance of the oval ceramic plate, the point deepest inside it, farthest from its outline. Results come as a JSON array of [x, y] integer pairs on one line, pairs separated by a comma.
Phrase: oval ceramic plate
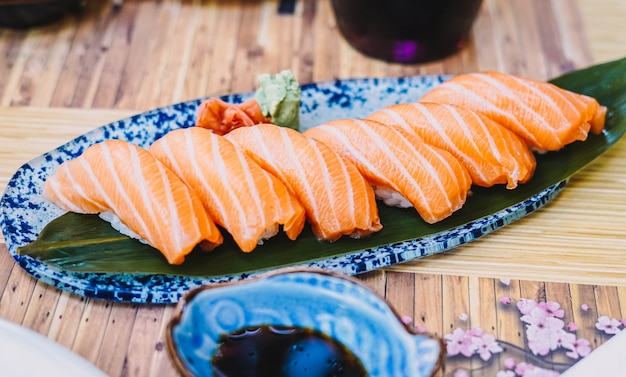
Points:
[[339, 307], [25, 213], [26, 353]]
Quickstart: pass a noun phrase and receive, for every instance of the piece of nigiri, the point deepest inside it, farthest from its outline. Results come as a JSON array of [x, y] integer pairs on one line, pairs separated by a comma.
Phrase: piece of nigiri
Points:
[[432, 180], [542, 114], [123, 182], [492, 154], [239, 195], [337, 199]]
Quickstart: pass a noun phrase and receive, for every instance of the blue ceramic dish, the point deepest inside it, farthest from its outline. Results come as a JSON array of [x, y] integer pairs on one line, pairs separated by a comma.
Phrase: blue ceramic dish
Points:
[[24, 212], [335, 305]]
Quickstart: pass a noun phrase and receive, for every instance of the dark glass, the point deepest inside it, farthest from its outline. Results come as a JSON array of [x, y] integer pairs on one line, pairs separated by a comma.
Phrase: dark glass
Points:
[[283, 352], [406, 31], [25, 14]]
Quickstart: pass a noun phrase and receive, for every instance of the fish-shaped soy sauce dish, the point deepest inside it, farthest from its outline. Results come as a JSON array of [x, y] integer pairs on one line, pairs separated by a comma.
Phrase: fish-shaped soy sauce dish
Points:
[[296, 322]]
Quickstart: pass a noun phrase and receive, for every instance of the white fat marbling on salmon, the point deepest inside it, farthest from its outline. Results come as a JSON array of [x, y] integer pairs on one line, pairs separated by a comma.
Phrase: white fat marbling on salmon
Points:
[[451, 145], [193, 164], [385, 193], [278, 174], [507, 92], [391, 156], [336, 198], [513, 174], [59, 195], [404, 171], [252, 188], [564, 123], [329, 186], [298, 170], [397, 118], [199, 174], [221, 171], [141, 189], [246, 200], [175, 233], [490, 106], [128, 186]]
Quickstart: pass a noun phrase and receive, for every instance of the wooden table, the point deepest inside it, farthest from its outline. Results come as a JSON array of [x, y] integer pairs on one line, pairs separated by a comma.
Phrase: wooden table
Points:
[[58, 81]]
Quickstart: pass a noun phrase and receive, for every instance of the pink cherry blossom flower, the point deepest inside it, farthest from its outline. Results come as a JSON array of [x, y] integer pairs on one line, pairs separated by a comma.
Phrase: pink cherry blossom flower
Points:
[[463, 317], [543, 333], [505, 281], [540, 346], [475, 331], [565, 339], [608, 325], [459, 342], [572, 326], [584, 307], [505, 373], [461, 373], [579, 348], [509, 363], [505, 300], [623, 322], [529, 370], [552, 309], [406, 319], [526, 305], [420, 329], [541, 319], [522, 367], [486, 345]]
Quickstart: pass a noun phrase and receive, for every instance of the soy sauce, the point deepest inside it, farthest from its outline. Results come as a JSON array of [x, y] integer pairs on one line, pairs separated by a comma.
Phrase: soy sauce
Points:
[[283, 352]]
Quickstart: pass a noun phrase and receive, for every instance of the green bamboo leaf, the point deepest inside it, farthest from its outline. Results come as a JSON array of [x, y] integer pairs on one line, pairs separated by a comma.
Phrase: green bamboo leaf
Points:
[[84, 243]]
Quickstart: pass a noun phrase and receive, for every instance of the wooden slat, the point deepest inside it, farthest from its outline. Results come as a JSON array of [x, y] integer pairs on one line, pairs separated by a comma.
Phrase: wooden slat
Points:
[[428, 298], [508, 315], [400, 291], [119, 330], [455, 298], [49, 128], [143, 341], [602, 21]]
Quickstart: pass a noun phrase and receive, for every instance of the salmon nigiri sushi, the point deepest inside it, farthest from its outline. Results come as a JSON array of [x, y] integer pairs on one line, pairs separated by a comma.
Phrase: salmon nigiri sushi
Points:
[[491, 153], [542, 114], [239, 195], [142, 198], [432, 181], [337, 199]]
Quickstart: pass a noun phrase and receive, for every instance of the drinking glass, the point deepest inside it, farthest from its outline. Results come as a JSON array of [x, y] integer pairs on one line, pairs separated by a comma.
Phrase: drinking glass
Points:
[[406, 31]]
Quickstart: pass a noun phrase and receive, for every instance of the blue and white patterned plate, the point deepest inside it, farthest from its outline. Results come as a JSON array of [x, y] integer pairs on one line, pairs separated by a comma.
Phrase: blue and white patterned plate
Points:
[[24, 213], [337, 306]]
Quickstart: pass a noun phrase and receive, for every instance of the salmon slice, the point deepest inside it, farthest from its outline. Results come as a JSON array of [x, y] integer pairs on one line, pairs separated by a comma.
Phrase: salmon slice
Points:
[[239, 195], [491, 153], [337, 199], [544, 115], [221, 117], [124, 182], [431, 180]]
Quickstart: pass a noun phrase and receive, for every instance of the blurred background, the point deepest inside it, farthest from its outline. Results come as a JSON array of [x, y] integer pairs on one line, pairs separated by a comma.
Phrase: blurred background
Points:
[[73, 53]]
